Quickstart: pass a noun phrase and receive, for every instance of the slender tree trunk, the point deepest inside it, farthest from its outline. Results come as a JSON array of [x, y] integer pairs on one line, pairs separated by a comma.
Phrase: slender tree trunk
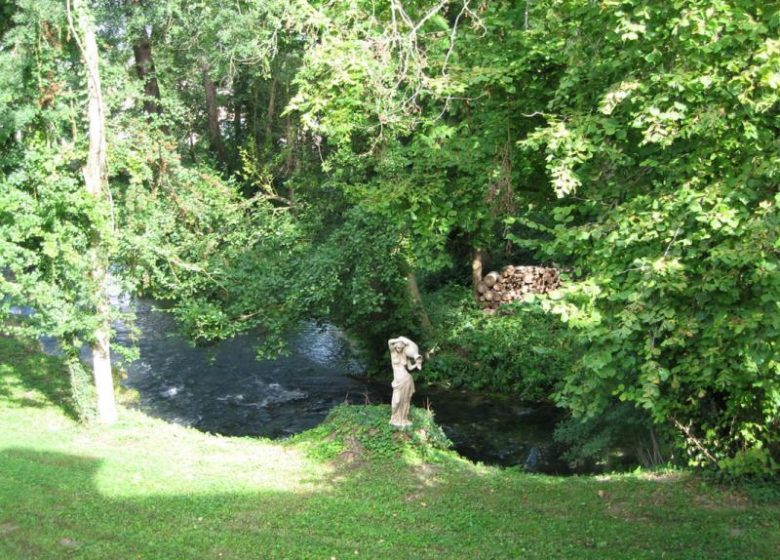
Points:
[[292, 163], [237, 126], [292, 195], [256, 120], [269, 117], [95, 178], [477, 260], [191, 145], [289, 136], [525, 18], [212, 109]]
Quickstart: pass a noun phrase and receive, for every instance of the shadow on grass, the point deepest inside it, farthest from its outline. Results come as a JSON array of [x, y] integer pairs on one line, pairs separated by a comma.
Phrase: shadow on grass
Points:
[[51, 506], [30, 378]]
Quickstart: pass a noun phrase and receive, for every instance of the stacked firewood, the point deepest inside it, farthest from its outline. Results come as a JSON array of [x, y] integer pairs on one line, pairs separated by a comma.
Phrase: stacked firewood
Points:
[[515, 282]]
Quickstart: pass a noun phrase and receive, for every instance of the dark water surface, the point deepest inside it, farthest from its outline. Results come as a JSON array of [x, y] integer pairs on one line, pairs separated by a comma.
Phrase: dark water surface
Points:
[[224, 389]]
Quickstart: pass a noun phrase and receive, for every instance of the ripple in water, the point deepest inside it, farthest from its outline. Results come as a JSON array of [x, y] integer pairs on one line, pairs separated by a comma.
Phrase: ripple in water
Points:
[[225, 389]]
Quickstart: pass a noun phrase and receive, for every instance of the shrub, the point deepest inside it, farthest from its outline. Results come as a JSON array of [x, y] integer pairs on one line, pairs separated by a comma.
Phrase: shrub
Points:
[[621, 437], [521, 349]]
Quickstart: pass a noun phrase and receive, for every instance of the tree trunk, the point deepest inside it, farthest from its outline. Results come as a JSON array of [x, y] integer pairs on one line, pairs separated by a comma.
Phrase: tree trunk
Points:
[[95, 178], [525, 16], [292, 164], [269, 117], [144, 67], [255, 120], [289, 160], [477, 259], [417, 302], [212, 109], [237, 126]]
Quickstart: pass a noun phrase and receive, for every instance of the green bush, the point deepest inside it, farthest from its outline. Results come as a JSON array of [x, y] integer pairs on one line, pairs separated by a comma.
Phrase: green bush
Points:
[[521, 349], [668, 217], [752, 471], [621, 437], [749, 463]]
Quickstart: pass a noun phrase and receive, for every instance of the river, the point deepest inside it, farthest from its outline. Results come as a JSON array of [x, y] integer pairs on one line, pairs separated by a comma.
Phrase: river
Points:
[[224, 389]]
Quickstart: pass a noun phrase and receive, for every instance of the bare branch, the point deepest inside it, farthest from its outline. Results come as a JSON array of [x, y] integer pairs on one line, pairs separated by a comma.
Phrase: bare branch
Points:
[[429, 15], [694, 440]]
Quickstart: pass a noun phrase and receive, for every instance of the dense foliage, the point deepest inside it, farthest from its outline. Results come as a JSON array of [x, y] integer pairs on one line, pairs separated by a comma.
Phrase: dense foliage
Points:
[[662, 143], [277, 160], [522, 350]]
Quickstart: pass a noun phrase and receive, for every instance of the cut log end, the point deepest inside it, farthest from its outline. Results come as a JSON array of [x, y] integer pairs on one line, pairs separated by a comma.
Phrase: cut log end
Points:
[[516, 283]]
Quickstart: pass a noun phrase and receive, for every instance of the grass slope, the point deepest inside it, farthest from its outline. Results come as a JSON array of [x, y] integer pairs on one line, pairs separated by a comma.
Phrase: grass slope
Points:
[[351, 488]]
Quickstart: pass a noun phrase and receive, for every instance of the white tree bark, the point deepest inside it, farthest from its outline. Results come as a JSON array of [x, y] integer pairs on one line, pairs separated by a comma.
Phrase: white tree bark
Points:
[[95, 179]]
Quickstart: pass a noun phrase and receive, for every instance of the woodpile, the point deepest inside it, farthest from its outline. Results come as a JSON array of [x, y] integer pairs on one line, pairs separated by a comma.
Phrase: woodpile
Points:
[[515, 283]]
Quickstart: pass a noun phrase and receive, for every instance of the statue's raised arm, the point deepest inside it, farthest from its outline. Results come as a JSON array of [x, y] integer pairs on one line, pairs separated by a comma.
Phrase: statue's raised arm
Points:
[[409, 349]]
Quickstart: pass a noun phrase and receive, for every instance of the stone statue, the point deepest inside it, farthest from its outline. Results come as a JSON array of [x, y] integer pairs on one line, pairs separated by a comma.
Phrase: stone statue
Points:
[[405, 357]]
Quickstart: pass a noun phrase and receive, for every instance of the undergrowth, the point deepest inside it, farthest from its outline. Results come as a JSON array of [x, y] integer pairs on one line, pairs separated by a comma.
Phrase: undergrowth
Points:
[[521, 349]]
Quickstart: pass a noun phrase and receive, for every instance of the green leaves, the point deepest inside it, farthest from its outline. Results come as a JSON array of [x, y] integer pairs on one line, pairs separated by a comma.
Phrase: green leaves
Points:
[[634, 144], [523, 349], [678, 244], [565, 150]]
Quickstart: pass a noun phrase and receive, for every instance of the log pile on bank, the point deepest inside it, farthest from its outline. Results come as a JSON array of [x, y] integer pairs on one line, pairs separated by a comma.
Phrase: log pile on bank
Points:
[[514, 283]]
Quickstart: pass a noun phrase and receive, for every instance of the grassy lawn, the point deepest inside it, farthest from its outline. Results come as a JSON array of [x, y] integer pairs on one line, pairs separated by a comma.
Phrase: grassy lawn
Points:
[[348, 489]]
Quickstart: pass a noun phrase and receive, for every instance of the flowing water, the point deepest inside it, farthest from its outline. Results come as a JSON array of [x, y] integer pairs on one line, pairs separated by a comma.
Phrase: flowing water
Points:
[[224, 389]]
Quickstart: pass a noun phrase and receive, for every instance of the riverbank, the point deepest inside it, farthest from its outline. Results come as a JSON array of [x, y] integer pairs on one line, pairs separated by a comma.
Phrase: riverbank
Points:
[[147, 489]]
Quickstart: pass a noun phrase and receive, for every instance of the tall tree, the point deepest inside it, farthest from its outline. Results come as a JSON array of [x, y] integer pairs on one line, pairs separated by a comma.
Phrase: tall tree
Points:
[[660, 141], [55, 221], [96, 182], [212, 112]]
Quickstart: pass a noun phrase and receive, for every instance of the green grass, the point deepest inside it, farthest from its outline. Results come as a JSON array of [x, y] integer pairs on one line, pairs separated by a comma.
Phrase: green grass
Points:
[[351, 488]]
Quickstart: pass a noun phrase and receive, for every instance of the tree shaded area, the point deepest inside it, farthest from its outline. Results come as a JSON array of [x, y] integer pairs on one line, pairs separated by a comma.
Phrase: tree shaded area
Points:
[[277, 161]]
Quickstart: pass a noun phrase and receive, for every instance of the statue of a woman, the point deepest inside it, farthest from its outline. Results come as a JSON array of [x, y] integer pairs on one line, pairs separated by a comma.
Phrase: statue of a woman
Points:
[[405, 357]]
